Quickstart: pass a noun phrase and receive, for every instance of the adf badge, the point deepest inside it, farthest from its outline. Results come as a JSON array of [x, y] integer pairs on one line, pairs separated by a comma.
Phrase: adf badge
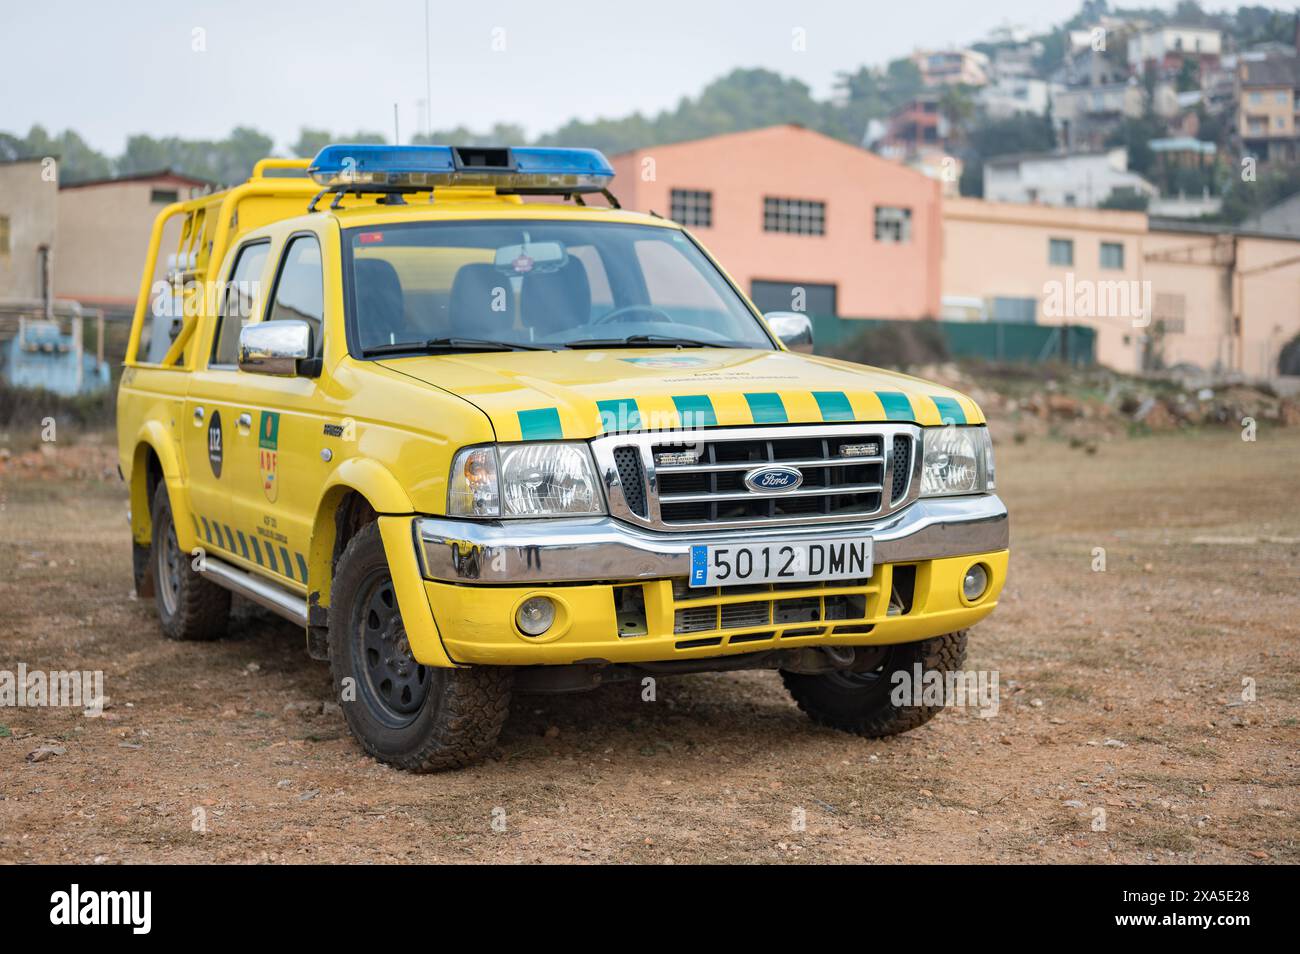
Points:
[[268, 452]]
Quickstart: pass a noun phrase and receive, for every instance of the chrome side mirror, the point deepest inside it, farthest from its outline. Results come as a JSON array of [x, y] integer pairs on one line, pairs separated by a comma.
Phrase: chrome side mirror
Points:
[[275, 347], [793, 328]]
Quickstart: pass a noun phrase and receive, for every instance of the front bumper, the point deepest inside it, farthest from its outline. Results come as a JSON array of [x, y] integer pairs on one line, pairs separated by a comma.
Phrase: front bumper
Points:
[[582, 550], [477, 574]]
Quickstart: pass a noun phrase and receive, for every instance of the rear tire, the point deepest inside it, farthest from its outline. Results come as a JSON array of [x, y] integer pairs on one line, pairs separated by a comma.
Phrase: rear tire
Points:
[[860, 702], [419, 718], [189, 607]]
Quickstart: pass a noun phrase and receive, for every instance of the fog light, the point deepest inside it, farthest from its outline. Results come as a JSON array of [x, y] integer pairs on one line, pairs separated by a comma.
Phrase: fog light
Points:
[[975, 582], [535, 615]]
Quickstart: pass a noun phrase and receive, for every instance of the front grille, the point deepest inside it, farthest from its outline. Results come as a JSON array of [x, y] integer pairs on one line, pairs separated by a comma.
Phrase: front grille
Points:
[[763, 607], [713, 490], [632, 477], [902, 467], [686, 480]]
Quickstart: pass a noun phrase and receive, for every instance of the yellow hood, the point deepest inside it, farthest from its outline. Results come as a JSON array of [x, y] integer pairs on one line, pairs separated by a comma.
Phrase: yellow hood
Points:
[[534, 395]]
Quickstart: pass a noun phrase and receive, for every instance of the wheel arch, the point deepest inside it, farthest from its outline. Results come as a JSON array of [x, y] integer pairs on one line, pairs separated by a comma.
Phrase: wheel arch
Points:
[[357, 492], [154, 462]]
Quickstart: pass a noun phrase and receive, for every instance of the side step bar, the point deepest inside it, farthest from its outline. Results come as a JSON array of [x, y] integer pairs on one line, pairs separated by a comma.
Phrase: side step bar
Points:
[[286, 604]]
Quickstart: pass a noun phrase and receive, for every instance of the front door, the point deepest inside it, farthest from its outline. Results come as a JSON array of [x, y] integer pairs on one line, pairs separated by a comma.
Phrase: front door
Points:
[[279, 472]]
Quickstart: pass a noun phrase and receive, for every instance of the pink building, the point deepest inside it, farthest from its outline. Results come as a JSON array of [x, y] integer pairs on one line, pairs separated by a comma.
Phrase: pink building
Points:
[[802, 222]]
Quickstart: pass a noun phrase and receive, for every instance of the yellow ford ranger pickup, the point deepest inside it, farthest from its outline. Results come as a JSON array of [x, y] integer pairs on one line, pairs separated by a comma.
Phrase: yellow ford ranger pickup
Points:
[[477, 435]]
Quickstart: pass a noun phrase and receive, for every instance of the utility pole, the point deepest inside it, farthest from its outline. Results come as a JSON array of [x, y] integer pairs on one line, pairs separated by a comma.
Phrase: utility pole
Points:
[[397, 136], [428, 78]]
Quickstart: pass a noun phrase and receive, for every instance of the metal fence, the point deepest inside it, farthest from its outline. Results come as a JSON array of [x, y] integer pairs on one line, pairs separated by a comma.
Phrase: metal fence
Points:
[[1001, 341]]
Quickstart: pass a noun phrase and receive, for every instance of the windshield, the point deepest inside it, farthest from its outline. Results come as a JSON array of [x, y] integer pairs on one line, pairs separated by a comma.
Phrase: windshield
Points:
[[547, 284]]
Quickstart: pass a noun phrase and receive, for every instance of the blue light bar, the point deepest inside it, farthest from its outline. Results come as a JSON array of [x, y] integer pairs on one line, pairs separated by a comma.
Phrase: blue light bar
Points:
[[527, 169]]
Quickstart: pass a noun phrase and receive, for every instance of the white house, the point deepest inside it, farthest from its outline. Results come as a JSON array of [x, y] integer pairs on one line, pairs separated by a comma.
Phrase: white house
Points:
[[1084, 179], [1012, 95], [1160, 43]]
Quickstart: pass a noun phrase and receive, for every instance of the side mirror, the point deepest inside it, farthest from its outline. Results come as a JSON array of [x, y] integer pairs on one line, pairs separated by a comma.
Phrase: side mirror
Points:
[[793, 328], [275, 347]]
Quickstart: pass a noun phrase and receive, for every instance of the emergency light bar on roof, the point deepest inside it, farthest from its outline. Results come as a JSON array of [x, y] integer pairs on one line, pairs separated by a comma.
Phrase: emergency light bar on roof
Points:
[[530, 169]]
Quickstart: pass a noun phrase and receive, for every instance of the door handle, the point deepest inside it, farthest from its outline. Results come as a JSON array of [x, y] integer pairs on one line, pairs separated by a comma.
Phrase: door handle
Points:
[[198, 415], [244, 421]]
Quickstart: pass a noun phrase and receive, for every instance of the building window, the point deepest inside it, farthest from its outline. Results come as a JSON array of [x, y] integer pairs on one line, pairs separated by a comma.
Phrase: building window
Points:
[[692, 207], [1112, 255], [893, 224], [809, 297], [1023, 311], [1060, 252], [4, 235], [1257, 97], [799, 216], [1280, 98], [164, 196]]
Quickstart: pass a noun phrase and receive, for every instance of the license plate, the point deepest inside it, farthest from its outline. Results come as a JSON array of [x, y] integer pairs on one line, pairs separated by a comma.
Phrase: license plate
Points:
[[836, 558]]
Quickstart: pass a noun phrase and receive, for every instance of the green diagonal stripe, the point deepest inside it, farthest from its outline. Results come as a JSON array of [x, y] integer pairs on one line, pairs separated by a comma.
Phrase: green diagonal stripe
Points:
[[897, 406], [834, 405], [950, 411], [695, 410], [767, 408], [541, 424], [620, 414]]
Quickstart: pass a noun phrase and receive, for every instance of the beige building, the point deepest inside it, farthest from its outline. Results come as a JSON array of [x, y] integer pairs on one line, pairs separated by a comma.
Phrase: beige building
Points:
[[952, 67], [1032, 263], [28, 193], [802, 221], [103, 233], [1266, 106], [1156, 291]]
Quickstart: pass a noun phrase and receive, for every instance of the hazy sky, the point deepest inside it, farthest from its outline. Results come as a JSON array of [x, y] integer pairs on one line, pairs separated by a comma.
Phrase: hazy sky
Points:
[[111, 69]]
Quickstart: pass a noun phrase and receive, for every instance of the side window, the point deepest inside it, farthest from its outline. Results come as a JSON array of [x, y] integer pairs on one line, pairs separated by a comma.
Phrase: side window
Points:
[[300, 289], [238, 303]]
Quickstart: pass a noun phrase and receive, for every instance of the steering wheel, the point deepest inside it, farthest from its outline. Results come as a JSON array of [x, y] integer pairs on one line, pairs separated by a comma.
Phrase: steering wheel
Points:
[[617, 313]]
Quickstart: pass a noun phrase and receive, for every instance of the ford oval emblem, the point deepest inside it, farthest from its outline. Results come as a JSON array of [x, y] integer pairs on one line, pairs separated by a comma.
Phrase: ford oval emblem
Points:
[[773, 480]]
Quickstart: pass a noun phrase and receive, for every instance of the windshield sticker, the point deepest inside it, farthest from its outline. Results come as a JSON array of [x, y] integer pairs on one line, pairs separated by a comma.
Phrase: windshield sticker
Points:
[[669, 362]]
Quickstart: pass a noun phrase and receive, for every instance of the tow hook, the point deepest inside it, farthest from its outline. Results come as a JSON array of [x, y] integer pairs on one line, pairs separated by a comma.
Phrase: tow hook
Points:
[[841, 657]]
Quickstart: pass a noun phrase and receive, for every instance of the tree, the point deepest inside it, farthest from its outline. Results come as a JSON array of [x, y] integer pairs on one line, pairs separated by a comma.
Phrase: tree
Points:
[[501, 134], [76, 160], [312, 141]]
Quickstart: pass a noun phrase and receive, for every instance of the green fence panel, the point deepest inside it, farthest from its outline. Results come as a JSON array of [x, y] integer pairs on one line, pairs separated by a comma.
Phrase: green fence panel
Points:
[[1009, 341]]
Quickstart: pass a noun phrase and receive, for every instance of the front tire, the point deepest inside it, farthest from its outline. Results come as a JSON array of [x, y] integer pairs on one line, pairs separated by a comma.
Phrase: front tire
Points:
[[419, 718], [189, 607], [859, 702]]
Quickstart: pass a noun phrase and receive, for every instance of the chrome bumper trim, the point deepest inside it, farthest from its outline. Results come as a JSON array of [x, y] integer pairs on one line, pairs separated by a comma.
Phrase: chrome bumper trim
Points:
[[592, 549]]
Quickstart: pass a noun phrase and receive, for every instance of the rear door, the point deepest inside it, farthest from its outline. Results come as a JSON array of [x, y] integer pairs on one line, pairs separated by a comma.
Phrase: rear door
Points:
[[214, 424]]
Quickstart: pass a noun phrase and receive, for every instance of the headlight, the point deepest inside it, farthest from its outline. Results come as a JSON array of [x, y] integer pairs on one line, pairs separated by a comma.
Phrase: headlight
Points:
[[524, 480], [956, 460]]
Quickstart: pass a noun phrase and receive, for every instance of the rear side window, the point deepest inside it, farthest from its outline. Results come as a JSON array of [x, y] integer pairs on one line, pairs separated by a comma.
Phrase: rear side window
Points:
[[300, 289], [239, 303]]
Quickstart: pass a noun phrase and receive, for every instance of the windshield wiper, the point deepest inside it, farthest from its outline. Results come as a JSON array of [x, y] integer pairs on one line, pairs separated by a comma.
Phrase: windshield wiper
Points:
[[451, 344], [633, 341]]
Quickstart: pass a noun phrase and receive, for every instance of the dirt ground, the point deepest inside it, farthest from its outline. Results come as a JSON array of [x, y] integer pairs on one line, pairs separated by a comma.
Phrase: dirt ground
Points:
[[1121, 706]]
